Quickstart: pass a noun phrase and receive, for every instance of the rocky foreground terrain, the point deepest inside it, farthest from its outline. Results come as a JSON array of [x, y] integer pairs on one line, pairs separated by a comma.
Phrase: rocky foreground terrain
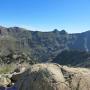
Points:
[[48, 76]]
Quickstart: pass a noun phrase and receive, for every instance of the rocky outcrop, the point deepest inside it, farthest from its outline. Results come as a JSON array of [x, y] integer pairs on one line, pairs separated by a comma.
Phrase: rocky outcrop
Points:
[[53, 77], [42, 77], [77, 78]]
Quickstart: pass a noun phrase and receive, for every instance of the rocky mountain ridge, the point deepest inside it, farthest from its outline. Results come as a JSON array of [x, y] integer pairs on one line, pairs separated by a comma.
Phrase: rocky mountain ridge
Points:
[[41, 46]]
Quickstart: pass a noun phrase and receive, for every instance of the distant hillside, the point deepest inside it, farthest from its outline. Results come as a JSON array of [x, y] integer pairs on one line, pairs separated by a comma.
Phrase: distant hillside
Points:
[[41, 46], [73, 58]]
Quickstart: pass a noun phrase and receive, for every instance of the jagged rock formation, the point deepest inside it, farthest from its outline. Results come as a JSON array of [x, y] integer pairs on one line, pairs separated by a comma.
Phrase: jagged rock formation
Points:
[[41, 46], [53, 77]]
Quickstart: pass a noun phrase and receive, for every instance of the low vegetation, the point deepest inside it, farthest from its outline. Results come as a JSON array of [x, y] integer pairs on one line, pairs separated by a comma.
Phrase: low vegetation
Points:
[[7, 68], [73, 58]]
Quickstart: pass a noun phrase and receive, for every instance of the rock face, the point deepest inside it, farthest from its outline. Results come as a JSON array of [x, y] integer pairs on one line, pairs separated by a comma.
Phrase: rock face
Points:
[[53, 77]]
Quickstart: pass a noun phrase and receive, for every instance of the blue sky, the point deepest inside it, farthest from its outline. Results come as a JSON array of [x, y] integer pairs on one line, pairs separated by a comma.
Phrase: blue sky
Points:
[[46, 15]]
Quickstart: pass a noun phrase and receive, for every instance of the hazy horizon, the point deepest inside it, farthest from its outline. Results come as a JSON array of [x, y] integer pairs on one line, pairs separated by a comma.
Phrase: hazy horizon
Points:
[[46, 15]]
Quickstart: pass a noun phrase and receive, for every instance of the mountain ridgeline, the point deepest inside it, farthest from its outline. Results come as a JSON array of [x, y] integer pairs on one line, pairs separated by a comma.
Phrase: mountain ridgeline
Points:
[[41, 46]]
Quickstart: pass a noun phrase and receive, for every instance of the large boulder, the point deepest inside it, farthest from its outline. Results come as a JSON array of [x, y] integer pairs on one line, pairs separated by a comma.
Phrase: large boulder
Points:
[[42, 77], [77, 78]]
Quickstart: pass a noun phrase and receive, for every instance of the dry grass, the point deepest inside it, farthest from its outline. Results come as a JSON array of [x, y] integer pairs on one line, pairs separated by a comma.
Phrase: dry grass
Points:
[[8, 68]]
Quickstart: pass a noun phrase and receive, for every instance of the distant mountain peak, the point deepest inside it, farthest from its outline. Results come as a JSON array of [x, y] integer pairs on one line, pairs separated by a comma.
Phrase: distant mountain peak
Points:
[[63, 32], [55, 30]]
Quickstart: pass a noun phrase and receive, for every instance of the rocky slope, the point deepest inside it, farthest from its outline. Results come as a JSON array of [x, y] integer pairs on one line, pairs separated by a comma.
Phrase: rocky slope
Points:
[[16, 58], [52, 77], [41, 46], [73, 58]]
